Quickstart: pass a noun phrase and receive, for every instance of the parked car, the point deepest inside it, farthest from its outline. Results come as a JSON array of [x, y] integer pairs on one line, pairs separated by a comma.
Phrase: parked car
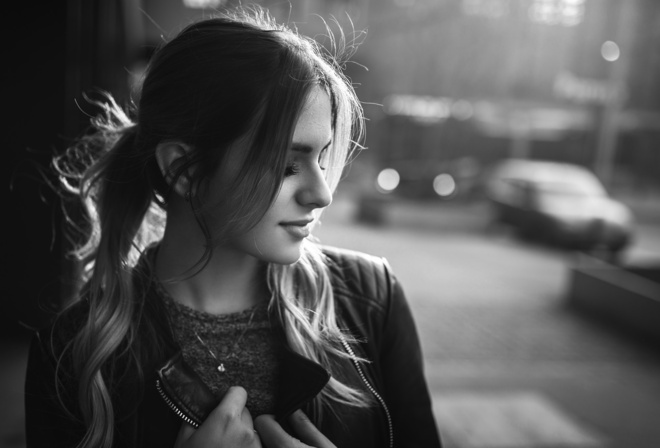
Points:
[[560, 203]]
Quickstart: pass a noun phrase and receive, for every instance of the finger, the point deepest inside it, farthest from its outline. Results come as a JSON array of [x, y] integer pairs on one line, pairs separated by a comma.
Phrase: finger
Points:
[[307, 431], [229, 417], [246, 418], [273, 435], [233, 403], [184, 434]]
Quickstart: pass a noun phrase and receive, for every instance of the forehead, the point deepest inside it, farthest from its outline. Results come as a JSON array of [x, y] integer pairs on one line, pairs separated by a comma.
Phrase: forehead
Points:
[[315, 121]]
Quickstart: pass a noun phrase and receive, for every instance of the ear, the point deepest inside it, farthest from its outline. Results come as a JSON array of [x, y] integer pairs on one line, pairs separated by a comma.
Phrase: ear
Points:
[[169, 155]]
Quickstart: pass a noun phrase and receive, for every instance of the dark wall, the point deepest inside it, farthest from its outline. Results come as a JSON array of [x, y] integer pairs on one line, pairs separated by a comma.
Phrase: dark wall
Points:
[[33, 97], [57, 52]]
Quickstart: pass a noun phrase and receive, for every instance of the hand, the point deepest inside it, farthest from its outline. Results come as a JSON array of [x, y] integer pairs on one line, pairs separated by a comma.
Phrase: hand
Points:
[[230, 424], [274, 436]]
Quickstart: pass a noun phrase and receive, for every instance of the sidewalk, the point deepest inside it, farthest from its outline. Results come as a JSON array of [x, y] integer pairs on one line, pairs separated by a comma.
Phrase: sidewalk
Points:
[[508, 370], [504, 385]]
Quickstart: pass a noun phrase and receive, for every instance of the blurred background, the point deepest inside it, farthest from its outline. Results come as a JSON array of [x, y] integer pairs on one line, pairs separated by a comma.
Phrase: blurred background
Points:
[[511, 176]]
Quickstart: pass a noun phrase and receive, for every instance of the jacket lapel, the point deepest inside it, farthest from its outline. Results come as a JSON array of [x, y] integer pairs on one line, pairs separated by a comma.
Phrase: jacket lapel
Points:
[[300, 380]]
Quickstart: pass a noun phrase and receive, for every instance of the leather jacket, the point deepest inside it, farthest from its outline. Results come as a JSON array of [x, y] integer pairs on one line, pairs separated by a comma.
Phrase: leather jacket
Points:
[[371, 306]]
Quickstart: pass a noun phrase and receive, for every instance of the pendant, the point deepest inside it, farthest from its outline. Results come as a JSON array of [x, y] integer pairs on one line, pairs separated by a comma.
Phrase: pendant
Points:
[[221, 368]]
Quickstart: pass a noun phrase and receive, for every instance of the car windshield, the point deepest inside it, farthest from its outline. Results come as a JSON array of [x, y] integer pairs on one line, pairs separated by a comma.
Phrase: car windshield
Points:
[[584, 187]]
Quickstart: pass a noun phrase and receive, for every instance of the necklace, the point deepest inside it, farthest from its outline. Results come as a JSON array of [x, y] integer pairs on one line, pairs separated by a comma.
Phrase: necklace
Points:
[[221, 364]]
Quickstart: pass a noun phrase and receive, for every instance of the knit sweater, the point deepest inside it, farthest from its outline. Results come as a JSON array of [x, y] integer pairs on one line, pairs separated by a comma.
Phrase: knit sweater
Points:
[[242, 342]]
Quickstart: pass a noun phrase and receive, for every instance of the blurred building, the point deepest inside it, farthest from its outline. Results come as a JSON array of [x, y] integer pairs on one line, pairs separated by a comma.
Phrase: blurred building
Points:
[[571, 80]]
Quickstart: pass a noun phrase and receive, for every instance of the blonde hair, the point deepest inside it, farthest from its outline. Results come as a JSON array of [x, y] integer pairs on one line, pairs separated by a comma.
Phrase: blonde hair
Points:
[[114, 172]]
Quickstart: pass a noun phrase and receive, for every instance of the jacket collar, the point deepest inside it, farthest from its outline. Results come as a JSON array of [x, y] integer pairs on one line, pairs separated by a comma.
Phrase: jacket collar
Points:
[[300, 380]]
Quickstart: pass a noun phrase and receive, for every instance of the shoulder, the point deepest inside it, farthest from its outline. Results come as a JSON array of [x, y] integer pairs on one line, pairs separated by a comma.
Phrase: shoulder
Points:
[[359, 275]]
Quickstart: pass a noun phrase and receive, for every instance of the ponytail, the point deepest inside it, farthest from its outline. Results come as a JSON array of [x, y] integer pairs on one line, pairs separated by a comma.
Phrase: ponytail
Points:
[[115, 187]]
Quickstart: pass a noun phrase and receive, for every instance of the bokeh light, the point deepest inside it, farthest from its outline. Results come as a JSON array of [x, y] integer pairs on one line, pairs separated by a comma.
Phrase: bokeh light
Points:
[[388, 179], [202, 4], [444, 184], [610, 51], [557, 12]]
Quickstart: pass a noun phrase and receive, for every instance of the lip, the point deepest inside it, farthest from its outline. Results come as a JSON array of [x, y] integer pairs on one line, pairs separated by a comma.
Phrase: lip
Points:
[[299, 229], [300, 222]]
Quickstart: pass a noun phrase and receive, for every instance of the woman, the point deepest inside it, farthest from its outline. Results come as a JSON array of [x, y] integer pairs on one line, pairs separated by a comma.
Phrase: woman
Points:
[[208, 317]]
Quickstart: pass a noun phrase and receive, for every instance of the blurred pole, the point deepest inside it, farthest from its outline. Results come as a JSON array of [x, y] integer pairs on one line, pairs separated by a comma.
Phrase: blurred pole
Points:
[[608, 131]]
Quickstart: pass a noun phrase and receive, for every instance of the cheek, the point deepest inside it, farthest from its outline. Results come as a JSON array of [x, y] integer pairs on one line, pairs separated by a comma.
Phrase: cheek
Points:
[[285, 195], [277, 211]]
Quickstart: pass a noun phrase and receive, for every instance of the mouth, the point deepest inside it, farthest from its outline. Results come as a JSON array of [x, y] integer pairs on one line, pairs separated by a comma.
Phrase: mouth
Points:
[[299, 229], [299, 223]]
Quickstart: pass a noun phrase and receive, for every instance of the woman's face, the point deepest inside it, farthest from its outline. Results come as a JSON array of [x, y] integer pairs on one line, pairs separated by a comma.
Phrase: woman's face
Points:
[[278, 237]]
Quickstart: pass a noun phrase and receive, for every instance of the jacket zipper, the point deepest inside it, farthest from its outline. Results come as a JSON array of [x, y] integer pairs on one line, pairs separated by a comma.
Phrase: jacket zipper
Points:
[[174, 407], [372, 389]]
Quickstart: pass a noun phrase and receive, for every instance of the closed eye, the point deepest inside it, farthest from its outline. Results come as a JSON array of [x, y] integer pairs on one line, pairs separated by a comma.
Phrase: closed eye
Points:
[[293, 167]]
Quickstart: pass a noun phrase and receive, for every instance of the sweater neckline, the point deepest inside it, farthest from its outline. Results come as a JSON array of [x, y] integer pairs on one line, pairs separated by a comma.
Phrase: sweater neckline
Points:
[[175, 306]]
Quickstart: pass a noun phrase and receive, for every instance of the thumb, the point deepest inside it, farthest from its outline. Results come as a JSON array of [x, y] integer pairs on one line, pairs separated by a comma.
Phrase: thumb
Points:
[[184, 434]]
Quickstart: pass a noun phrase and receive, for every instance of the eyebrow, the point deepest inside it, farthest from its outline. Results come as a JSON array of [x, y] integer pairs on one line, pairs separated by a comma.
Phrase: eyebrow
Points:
[[306, 149]]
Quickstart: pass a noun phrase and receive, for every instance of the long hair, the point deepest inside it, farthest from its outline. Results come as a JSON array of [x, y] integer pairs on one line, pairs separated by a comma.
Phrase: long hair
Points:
[[238, 75]]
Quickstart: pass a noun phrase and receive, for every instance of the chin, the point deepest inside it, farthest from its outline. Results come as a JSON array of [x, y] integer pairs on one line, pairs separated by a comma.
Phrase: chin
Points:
[[289, 258]]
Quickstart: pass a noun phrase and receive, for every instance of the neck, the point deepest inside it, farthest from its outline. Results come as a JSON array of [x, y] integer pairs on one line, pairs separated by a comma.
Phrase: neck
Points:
[[229, 282]]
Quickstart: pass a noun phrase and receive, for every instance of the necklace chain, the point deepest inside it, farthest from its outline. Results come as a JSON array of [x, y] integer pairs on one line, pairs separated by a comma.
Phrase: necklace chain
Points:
[[221, 364]]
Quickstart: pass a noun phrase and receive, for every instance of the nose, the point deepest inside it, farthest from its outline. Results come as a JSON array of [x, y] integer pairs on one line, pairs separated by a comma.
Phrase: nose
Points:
[[315, 191]]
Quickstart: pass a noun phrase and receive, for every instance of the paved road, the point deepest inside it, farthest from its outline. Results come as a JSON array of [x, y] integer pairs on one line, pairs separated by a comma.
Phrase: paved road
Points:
[[508, 363]]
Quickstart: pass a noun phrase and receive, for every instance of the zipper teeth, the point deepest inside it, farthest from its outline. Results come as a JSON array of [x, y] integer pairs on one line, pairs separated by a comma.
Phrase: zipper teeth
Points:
[[372, 389], [174, 407]]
